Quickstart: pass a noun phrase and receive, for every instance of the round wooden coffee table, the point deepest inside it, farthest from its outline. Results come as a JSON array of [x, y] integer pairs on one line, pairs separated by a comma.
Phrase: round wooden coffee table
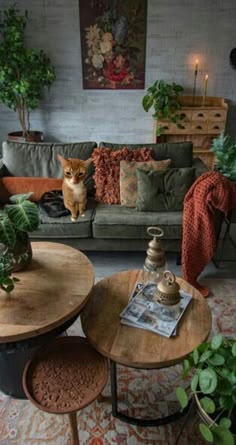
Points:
[[135, 347], [49, 296]]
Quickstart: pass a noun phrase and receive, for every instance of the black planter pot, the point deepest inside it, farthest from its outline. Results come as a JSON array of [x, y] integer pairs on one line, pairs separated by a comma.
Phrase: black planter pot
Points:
[[18, 136]]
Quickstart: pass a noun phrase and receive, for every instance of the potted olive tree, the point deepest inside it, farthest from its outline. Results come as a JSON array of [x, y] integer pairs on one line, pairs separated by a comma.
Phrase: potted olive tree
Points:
[[212, 367], [24, 73], [164, 98], [18, 218]]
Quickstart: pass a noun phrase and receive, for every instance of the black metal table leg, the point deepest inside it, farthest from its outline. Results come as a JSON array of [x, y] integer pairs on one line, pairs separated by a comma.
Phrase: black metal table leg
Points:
[[134, 420]]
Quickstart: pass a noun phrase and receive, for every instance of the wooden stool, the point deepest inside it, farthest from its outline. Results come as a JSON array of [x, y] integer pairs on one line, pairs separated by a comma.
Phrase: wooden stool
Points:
[[64, 377]]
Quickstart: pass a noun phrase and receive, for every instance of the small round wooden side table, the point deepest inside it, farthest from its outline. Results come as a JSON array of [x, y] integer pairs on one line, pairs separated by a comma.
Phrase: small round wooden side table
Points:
[[65, 377]]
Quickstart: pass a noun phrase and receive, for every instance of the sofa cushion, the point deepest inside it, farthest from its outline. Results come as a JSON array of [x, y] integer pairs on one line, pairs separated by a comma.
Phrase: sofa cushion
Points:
[[163, 190], [11, 185], [181, 153], [40, 159], [116, 221], [128, 178], [63, 227], [107, 170]]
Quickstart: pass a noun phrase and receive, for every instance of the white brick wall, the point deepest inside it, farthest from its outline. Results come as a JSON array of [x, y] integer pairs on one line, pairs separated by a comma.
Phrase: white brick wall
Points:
[[178, 31]]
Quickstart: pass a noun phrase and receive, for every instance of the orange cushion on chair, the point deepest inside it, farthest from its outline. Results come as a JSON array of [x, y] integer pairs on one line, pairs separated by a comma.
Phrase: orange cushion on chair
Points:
[[12, 185]]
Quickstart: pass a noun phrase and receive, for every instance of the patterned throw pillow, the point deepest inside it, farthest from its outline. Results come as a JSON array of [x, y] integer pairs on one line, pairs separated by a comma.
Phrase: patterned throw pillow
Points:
[[107, 170], [128, 178]]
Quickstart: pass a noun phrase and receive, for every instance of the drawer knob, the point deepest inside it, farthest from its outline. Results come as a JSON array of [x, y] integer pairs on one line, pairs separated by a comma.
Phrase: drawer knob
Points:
[[166, 127], [217, 115], [216, 127], [199, 127], [182, 115], [200, 115]]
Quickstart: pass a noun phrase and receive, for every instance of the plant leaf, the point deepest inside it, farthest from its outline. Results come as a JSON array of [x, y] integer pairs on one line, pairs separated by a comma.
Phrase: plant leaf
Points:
[[24, 215], [234, 349], [231, 362], [182, 397], [194, 382], [7, 231], [225, 423], [20, 197], [186, 368], [206, 432], [195, 356], [224, 386], [217, 341], [208, 405], [147, 102], [207, 380], [226, 402], [222, 436], [205, 356], [216, 360]]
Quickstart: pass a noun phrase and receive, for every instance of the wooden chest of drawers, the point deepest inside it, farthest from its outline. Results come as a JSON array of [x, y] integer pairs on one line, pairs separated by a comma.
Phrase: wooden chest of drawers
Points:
[[200, 124]]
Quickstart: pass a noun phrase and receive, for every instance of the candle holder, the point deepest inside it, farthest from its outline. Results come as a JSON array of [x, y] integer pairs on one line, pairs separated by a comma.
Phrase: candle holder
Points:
[[155, 262]]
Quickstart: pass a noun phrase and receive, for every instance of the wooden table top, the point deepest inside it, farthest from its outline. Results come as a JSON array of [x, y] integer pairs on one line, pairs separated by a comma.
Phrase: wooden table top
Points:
[[136, 347], [52, 290]]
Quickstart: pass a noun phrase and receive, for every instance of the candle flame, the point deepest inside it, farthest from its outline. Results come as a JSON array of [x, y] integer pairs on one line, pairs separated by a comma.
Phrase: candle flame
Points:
[[206, 77]]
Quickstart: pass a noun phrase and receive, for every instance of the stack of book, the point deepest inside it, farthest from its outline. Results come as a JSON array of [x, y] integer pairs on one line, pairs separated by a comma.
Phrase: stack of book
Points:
[[143, 311]]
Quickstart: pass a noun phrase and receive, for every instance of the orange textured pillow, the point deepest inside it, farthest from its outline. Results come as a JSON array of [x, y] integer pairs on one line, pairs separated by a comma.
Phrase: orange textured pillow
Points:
[[107, 170], [12, 185]]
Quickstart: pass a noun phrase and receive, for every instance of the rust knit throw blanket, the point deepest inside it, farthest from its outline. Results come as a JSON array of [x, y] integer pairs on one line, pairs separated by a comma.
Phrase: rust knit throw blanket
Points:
[[209, 192]]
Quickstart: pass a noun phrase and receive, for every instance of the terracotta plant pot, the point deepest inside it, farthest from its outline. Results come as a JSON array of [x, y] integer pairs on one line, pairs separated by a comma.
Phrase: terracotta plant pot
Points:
[[33, 136]]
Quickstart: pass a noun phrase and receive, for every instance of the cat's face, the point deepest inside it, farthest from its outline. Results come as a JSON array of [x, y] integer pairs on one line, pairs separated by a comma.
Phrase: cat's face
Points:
[[74, 170]]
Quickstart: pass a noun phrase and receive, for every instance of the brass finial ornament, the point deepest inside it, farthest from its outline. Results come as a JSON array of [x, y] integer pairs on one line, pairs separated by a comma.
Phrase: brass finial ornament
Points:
[[155, 253], [167, 292]]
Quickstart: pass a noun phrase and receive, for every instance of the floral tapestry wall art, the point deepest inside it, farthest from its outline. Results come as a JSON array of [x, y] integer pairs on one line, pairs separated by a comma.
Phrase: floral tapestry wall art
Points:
[[113, 42]]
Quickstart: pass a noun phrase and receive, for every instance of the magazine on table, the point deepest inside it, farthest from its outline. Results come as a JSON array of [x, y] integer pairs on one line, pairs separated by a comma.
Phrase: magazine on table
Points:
[[143, 311]]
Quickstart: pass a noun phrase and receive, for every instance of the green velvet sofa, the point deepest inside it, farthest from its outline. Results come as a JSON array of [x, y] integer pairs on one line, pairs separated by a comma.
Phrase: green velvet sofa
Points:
[[104, 227]]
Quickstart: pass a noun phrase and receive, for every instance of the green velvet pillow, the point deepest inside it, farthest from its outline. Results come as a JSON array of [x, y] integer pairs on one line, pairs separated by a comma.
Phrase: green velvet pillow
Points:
[[163, 190]]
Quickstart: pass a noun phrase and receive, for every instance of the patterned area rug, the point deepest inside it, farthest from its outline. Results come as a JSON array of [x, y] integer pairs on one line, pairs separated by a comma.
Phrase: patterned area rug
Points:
[[150, 393]]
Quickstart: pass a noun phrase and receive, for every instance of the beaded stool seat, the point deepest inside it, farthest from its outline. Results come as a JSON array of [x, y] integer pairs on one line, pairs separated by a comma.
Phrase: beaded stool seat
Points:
[[64, 377]]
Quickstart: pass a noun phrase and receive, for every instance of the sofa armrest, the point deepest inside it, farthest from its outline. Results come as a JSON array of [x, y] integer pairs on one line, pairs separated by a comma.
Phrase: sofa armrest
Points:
[[200, 167], [3, 169]]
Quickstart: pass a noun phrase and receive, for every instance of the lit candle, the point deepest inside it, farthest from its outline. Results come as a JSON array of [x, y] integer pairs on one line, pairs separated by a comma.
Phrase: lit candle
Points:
[[196, 66], [206, 82], [205, 89]]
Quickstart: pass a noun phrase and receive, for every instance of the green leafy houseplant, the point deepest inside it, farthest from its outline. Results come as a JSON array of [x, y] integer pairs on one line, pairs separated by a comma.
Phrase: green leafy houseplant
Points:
[[7, 282], [164, 99], [24, 72], [224, 148], [16, 220], [213, 383]]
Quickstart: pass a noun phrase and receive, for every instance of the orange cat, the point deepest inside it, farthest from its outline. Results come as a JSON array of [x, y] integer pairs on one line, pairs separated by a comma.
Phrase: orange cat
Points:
[[73, 188]]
